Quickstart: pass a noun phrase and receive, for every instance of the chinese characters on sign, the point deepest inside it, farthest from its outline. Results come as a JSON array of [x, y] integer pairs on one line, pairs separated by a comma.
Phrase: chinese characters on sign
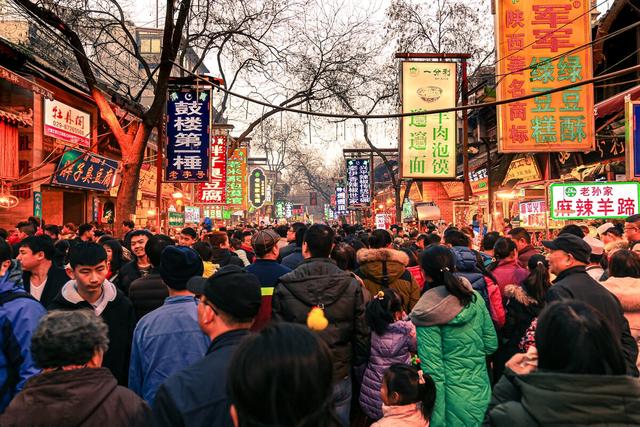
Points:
[[188, 122], [236, 174], [532, 214], [176, 219], [633, 139], [91, 172], [288, 209], [532, 36], [524, 169], [328, 212], [191, 214], [257, 188], [586, 200], [280, 209], [428, 144], [67, 123], [479, 180], [341, 200], [217, 212], [358, 183], [214, 191]]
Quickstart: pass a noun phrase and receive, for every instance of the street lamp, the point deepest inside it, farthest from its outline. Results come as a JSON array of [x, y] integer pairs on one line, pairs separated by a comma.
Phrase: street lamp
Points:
[[177, 195]]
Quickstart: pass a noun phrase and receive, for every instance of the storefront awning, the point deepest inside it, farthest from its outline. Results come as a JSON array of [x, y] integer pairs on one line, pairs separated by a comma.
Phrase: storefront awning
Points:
[[615, 104], [14, 119]]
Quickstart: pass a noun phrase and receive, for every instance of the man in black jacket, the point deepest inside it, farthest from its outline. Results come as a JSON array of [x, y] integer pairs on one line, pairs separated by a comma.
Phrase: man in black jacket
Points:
[[90, 289], [40, 277], [568, 259], [318, 282], [140, 266], [197, 395], [148, 293]]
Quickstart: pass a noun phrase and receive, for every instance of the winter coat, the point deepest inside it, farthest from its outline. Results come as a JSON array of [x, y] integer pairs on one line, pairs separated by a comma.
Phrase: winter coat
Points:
[[128, 273], [224, 257], [575, 283], [293, 260], [380, 268], [466, 266], [402, 416], [147, 293], [627, 290], [453, 343], [521, 310], [595, 271], [56, 278], [526, 253], [556, 399], [119, 316], [319, 282], [394, 346], [268, 273], [418, 274], [18, 320], [165, 341], [197, 395], [288, 250], [86, 397], [509, 272]]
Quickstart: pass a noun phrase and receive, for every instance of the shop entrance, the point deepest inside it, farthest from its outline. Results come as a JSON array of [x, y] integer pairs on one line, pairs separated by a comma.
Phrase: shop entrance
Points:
[[73, 208]]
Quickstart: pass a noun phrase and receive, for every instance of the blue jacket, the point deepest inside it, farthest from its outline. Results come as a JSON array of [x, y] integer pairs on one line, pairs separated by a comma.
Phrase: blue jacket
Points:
[[18, 320], [197, 395], [467, 267], [165, 341], [267, 271], [293, 260]]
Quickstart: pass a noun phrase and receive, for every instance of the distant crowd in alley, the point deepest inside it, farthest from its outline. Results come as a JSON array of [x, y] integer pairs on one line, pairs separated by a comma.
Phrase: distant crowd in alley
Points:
[[304, 325]]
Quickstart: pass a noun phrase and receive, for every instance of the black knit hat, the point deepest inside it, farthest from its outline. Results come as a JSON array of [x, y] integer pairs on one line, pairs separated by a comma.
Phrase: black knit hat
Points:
[[178, 264]]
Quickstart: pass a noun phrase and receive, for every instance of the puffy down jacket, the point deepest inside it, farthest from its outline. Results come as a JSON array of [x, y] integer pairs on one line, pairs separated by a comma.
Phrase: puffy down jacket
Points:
[[392, 347], [453, 342]]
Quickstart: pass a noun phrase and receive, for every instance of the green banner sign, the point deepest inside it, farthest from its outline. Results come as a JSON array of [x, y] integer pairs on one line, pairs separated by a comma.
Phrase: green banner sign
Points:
[[176, 219]]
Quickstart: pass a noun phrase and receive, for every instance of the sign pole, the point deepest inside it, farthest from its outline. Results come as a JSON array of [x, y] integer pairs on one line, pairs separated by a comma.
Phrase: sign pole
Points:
[[465, 132], [159, 174]]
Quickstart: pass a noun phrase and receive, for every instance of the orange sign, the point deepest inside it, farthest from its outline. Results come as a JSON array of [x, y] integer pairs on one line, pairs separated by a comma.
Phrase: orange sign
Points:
[[540, 47]]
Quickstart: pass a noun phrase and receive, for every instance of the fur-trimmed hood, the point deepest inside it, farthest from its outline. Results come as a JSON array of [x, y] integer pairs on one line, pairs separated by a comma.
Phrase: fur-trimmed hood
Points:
[[627, 289], [519, 294], [371, 264]]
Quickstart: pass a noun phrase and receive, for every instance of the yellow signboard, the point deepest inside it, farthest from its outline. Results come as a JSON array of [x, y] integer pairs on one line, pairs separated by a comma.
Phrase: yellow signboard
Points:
[[524, 169], [540, 47], [428, 141]]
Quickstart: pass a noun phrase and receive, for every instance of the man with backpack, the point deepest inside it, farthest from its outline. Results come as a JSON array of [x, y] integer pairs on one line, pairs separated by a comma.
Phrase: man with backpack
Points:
[[19, 317], [334, 298]]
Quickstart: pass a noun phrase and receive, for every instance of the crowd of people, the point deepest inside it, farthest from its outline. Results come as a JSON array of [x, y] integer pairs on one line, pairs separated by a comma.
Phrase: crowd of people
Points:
[[315, 325]]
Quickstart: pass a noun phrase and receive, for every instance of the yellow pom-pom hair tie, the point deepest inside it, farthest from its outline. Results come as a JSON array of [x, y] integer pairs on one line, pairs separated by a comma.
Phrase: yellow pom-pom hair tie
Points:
[[379, 295], [316, 320]]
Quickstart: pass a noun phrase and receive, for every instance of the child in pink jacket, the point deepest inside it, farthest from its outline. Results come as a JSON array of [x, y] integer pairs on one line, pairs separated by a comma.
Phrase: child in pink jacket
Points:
[[408, 396]]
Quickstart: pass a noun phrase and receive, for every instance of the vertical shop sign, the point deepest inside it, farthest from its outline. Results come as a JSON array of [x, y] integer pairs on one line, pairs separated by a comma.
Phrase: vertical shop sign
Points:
[[214, 191], [236, 175], [358, 182], [540, 47], [428, 141], [188, 133], [192, 215], [288, 210], [279, 208], [633, 140], [257, 188], [341, 200], [37, 204]]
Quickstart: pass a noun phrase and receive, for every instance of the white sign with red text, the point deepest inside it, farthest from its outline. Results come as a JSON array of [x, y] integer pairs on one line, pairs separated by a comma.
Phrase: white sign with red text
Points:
[[593, 200], [66, 123]]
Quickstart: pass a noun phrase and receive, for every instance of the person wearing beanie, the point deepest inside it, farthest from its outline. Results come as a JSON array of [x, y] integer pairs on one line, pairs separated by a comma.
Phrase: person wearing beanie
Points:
[[168, 339], [197, 395]]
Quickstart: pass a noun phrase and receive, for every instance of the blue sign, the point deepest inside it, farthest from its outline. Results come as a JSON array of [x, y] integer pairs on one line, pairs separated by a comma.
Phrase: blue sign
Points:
[[359, 182], [85, 170], [188, 133]]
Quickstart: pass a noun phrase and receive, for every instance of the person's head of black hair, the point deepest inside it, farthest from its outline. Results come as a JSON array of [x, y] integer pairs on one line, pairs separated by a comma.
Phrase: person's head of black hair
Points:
[[538, 282], [52, 229], [380, 238], [413, 234], [421, 237], [154, 247], [84, 228], [140, 232], [413, 258], [633, 218], [37, 222], [624, 263], [117, 254], [6, 253], [86, 254], [519, 233], [438, 264], [37, 244], [128, 223], [616, 231], [382, 309], [345, 256], [404, 387], [4, 234], [433, 239], [456, 238], [572, 337], [297, 225], [62, 247], [574, 229], [27, 228], [358, 244], [489, 240], [282, 376], [319, 240], [204, 250], [188, 231], [503, 249], [282, 230], [300, 235]]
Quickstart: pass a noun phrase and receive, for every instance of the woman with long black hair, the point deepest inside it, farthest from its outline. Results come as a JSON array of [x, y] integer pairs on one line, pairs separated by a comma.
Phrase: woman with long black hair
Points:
[[455, 335]]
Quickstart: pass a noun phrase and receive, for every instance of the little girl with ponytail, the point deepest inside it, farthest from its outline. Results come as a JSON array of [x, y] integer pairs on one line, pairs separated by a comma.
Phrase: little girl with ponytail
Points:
[[408, 395]]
